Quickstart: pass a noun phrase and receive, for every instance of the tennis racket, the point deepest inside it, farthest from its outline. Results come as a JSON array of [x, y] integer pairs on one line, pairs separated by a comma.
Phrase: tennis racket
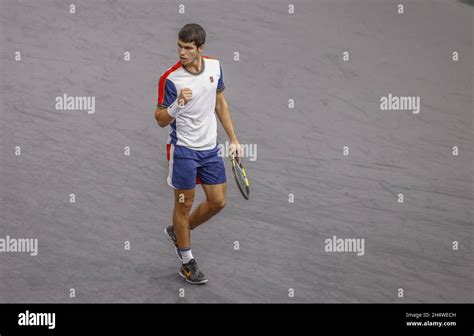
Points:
[[240, 176]]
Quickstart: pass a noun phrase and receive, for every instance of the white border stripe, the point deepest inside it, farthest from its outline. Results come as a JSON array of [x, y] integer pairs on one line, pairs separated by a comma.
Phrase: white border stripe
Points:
[[170, 167]]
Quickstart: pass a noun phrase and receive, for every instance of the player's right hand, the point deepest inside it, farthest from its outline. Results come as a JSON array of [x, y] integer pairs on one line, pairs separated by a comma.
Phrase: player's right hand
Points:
[[184, 96]]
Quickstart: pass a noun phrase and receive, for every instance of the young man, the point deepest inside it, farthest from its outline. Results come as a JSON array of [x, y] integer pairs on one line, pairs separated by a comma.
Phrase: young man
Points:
[[188, 94]]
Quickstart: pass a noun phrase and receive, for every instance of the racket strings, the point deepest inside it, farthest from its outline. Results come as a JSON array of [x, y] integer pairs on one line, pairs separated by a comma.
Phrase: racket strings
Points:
[[240, 176]]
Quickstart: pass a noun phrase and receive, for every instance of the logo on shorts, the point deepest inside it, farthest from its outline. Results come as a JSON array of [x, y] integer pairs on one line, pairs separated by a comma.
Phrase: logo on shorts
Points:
[[211, 79]]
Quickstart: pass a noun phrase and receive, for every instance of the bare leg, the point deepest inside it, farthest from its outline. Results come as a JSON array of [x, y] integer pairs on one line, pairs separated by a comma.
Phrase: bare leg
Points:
[[215, 202], [182, 206]]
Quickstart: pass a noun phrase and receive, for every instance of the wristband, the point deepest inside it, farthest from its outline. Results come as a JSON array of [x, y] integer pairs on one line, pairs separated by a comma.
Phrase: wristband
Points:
[[174, 109]]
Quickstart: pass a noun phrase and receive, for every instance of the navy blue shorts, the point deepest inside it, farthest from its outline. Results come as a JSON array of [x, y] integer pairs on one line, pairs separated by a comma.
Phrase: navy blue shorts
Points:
[[188, 167]]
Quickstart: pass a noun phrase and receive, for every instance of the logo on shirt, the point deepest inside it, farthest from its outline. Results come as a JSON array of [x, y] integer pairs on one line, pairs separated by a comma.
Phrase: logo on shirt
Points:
[[211, 79]]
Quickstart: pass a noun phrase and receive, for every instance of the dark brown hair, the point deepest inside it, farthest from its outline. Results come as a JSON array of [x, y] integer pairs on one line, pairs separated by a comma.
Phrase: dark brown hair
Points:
[[192, 32]]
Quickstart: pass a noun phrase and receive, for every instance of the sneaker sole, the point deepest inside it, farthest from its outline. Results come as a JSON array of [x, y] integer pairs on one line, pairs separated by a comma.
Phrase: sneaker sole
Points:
[[174, 246], [202, 282]]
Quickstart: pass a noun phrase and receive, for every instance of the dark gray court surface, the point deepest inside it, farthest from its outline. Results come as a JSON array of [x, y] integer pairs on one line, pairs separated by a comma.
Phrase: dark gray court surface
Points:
[[422, 246]]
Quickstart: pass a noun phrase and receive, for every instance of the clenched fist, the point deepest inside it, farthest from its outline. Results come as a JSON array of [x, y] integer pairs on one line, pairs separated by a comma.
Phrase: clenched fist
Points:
[[184, 96]]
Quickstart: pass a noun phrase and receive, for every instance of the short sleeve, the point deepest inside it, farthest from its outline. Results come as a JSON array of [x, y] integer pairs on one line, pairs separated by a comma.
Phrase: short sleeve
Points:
[[166, 92], [220, 83]]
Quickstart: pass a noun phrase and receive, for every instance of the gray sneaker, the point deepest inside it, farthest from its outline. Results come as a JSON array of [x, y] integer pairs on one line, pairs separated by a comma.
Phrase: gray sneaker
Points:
[[169, 231], [191, 273]]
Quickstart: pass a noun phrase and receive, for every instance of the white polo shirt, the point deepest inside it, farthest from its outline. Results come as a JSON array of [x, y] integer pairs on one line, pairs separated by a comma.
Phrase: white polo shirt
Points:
[[196, 126]]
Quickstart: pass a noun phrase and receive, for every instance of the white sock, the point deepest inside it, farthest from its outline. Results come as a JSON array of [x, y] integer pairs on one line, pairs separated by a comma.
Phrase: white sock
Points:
[[187, 255]]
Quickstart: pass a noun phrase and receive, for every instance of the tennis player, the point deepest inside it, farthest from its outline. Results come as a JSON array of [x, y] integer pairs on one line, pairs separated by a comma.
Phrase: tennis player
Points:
[[188, 94]]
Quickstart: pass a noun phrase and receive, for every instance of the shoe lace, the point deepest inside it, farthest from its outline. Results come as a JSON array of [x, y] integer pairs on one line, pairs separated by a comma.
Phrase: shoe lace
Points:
[[193, 266]]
